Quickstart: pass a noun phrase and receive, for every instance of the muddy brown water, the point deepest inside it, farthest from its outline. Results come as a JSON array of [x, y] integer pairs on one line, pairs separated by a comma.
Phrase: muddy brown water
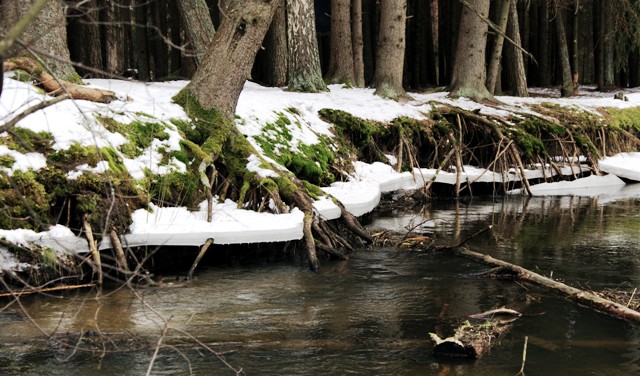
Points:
[[370, 315]]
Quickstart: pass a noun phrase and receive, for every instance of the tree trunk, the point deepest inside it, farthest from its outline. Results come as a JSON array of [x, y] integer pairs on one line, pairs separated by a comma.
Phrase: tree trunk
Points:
[[469, 72], [545, 70], [276, 49], [515, 59], [358, 43], [227, 64], [435, 42], [114, 50], [140, 48], [567, 80], [599, 36], [391, 45], [341, 69], [46, 34], [304, 73], [197, 24], [609, 64], [496, 55]]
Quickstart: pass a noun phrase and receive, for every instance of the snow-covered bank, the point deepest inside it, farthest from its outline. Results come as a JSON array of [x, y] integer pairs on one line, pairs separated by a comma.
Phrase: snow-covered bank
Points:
[[79, 124]]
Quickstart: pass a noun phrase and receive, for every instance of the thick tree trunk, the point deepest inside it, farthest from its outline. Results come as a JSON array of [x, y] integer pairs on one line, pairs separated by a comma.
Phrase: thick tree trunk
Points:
[[496, 55], [469, 72], [114, 37], [197, 24], [139, 33], [341, 69], [515, 59], [358, 42], [276, 49], [304, 58], [545, 69], [609, 35], [227, 64], [599, 36], [391, 45], [567, 79], [47, 34]]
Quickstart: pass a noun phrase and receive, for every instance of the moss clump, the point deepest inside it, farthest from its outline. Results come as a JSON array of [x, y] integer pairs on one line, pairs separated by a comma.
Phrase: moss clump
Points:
[[542, 127], [623, 118], [24, 201], [7, 161], [530, 145], [76, 155], [175, 188], [139, 133], [308, 162], [359, 131], [27, 141]]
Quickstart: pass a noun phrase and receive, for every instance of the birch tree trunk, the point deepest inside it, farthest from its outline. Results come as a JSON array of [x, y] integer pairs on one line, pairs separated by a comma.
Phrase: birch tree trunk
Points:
[[303, 56]]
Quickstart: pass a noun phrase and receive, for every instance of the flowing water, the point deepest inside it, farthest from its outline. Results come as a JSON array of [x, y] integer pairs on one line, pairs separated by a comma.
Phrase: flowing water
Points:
[[370, 315]]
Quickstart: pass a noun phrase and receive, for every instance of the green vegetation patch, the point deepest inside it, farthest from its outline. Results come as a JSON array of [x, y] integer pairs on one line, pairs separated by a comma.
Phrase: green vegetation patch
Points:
[[7, 161], [309, 162], [139, 133], [27, 141], [24, 201], [623, 118]]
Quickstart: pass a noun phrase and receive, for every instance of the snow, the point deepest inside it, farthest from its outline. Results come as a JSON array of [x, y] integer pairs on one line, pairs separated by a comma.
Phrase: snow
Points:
[[625, 165], [72, 122]]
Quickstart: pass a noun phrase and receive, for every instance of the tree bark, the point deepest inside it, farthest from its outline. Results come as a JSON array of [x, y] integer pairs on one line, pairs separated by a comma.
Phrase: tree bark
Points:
[[358, 43], [545, 69], [47, 34], [435, 39], [515, 59], [139, 34], [341, 69], [391, 45], [304, 58], [197, 24], [496, 55], [276, 49], [609, 64], [114, 43], [227, 64], [469, 72], [567, 89]]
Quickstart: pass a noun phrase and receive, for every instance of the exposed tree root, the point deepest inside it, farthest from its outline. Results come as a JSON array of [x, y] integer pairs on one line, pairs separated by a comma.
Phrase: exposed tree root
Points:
[[57, 87]]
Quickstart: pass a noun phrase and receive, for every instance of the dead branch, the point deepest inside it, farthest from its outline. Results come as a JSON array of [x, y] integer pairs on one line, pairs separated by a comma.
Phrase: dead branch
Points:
[[46, 289], [57, 87]]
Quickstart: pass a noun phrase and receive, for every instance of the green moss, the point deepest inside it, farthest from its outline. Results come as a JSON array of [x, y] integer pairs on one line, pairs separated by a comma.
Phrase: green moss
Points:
[[307, 162], [22, 76], [359, 131], [49, 257], [176, 188], [540, 126], [313, 190], [139, 133], [24, 201], [623, 118], [530, 145], [27, 141], [7, 161], [76, 155]]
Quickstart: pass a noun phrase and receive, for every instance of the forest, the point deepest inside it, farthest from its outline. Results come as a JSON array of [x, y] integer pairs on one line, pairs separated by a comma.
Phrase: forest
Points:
[[589, 42]]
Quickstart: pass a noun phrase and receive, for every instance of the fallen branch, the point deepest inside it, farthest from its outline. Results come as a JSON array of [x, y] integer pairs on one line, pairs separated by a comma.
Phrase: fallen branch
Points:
[[56, 87], [46, 289], [579, 296]]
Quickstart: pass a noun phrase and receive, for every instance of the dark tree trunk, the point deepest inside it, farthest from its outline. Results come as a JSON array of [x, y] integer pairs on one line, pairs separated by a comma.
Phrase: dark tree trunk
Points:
[[47, 34], [369, 38], [276, 49], [140, 49], [435, 39], [609, 35], [227, 64], [546, 68], [567, 89], [391, 44], [634, 68], [517, 74], [496, 54], [469, 76], [304, 58], [599, 37], [114, 51], [358, 42], [341, 68], [197, 24]]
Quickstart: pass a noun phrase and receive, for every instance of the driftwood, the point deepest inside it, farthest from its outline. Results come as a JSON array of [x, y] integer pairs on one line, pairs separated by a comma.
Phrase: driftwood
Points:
[[579, 296], [475, 336], [56, 87], [46, 289]]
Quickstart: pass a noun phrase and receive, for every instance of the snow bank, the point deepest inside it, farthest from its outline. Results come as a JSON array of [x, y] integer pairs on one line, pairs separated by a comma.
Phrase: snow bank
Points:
[[624, 165]]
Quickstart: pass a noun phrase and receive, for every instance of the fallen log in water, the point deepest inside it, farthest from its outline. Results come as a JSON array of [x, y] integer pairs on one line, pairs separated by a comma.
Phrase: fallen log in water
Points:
[[475, 336], [586, 298]]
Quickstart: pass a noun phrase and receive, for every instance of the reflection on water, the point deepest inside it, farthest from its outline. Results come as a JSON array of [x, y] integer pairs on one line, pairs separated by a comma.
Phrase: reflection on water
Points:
[[371, 314]]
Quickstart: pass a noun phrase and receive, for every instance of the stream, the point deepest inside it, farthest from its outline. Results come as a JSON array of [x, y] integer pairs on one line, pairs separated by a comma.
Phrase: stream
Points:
[[370, 315]]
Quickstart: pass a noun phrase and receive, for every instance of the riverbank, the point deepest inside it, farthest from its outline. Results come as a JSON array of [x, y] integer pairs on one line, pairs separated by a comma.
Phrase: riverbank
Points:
[[126, 165]]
